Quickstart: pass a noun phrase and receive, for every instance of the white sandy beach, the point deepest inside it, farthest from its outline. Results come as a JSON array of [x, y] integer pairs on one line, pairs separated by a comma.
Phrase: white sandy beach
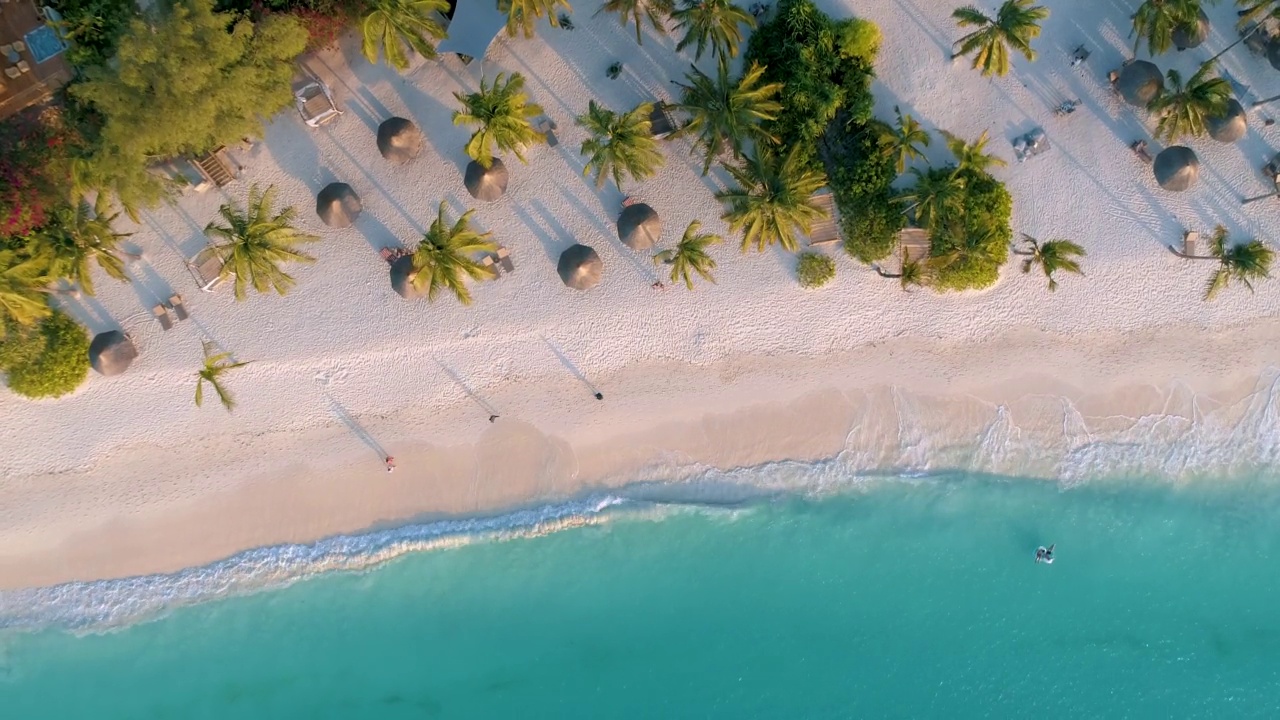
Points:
[[127, 476]]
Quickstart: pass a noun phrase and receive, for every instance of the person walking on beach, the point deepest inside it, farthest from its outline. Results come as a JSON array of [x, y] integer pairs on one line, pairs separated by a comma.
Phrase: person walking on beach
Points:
[[391, 464]]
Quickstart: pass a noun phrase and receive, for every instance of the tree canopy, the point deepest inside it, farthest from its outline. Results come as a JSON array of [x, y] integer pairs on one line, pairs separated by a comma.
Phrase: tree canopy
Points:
[[183, 82]]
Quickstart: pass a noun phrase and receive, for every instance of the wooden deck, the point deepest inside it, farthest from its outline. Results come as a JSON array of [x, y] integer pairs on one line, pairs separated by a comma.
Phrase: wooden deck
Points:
[[827, 230], [17, 18], [914, 243]]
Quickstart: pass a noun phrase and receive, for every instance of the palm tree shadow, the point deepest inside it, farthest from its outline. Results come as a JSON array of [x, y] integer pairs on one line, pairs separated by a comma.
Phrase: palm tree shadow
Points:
[[484, 404], [570, 366]]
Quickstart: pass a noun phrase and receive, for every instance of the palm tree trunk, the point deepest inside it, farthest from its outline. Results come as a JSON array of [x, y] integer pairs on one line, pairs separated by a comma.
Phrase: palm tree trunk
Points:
[[1021, 252], [1264, 101], [1243, 37], [1246, 201], [880, 271]]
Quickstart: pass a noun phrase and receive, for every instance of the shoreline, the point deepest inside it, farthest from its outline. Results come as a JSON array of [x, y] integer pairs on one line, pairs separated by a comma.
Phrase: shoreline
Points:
[[954, 404]]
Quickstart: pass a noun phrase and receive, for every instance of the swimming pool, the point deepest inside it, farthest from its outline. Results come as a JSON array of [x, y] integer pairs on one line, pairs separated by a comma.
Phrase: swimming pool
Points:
[[44, 43]]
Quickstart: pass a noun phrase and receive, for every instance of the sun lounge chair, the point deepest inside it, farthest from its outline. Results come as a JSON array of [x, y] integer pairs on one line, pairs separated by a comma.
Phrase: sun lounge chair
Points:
[[1139, 148], [491, 265], [825, 231], [661, 124], [547, 127], [1190, 239], [388, 254], [179, 310], [206, 268], [1079, 56], [162, 314], [12, 72], [504, 260]]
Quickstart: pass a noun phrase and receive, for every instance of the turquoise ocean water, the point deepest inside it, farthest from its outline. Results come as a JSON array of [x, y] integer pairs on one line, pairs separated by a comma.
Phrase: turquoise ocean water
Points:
[[894, 598]]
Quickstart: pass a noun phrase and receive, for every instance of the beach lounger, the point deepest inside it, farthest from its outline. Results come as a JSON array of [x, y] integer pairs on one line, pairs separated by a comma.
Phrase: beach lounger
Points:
[[661, 124], [504, 260], [1079, 56], [206, 268], [1139, 148], [179, 310], [491, 265], [825, 231], [162, 314], [547, 127], [1190, 241]]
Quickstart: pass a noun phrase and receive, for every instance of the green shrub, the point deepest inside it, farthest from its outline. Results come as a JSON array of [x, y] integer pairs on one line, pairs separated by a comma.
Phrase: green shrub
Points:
[[93, 28], [860, 175], [815, 270], [860, 40], [968, 245], [62, 364], [21, 344]]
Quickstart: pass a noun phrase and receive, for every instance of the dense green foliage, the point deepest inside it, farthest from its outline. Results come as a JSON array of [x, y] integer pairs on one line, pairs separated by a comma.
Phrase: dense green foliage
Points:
[[815, 269], [58, 367], [93, 28], [860, 176], [970, 236], [19, 343], [34, 170], [825, 67], [75, 236], [184, 83]]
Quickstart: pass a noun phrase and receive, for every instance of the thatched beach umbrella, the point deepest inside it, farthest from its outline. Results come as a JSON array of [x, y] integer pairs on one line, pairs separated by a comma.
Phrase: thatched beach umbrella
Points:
[[580, 267], [1176, 168], [639, 227], [111, 352], [1185, 38], [402, 278], [338, 205], [1140, 82], [487, 184], [399, 140], [1231, 125]]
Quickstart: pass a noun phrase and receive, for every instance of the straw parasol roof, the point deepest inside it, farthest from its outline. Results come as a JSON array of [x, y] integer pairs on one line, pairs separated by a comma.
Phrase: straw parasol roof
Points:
[[487, 184], [580, 267], [111, 352], [399, 140], [1140, 82], [1231, 125], [338, 205], [401, 271], [639, 227], [1186, 38], [1176, 168]]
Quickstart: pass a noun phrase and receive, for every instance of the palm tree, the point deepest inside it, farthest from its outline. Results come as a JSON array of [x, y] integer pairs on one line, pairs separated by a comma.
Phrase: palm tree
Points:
[[1245, 262], [1014, 26], [933, 195], [725, 112], [637, 10], [1185, 108], [522, 15], [980, 244], [689, 257], [903, 142], [1156, 21], [619, 144], [441, 259], [1051, 257], [913, 273], [215, 364], [1253, 12], [76, 235], [22, 288], [257, 242], [395, 26], [714, 23], [502, 112], [972, 156], [774, 198]]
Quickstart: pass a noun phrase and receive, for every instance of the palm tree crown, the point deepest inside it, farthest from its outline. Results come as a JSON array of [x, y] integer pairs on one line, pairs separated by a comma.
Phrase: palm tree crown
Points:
[[75, 236], [522, 15], [934, 193], [441, 260], [903, 142], [773, 199], [1051, 257], [256, 242], [637, 10], [215, 365], [395, 26], [722, 111], [913, 273], [501, 111], [1255, 11], [712, 23], [1015, 25], [689, 257], [1156, 21], [620, 144], [22, 288], [1185, 108], [1245, 263], [972, 156]]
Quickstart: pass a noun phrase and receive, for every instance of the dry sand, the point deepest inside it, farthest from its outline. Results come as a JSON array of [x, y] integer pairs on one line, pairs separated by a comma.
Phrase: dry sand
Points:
[[1125, 371]]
